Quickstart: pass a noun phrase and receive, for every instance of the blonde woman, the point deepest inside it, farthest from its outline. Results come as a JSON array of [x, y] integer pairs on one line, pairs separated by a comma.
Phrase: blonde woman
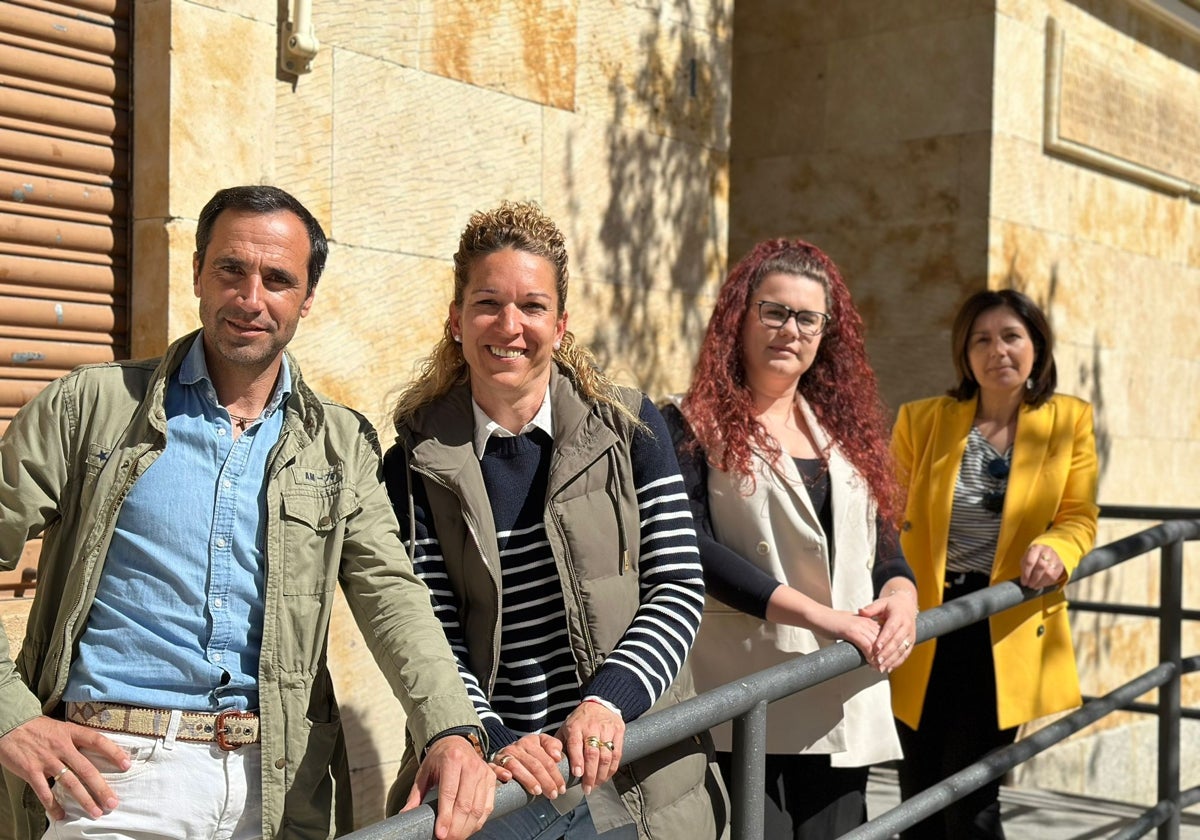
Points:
[[544, 508]]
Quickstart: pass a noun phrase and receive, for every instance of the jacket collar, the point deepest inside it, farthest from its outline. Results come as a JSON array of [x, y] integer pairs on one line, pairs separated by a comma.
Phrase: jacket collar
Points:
[[841, 473], [442, 433], [303, 407]]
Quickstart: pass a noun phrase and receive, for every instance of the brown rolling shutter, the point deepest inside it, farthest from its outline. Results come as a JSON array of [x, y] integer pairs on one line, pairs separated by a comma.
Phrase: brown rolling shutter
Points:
[[64, 162]]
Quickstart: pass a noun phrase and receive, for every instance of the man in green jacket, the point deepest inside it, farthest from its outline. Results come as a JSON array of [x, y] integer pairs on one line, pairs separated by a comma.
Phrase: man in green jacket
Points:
[[198, 512]]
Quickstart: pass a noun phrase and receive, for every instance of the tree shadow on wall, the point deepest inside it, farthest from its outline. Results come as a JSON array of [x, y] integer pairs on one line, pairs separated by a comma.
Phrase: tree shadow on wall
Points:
[[370, 789], [1089, 373], [1110, 586], [662, 234]]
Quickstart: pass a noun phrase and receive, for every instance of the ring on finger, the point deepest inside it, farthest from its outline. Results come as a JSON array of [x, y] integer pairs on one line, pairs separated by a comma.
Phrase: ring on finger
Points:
[[502, 759], [594, 741], [906, 644], [61, 773]]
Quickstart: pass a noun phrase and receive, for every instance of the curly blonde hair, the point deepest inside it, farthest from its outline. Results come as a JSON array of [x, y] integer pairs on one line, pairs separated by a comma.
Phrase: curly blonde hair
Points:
[[521, 226]]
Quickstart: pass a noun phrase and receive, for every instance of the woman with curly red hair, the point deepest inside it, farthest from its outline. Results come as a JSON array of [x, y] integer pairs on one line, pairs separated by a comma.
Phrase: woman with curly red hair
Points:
[[784, 447]]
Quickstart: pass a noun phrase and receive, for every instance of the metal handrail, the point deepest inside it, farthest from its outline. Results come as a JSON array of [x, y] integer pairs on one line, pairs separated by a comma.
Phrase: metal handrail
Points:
[[744, 702]]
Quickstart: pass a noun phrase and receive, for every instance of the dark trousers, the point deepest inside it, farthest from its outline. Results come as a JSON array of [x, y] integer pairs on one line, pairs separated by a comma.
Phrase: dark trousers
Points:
[[807, 799], [958, 727]]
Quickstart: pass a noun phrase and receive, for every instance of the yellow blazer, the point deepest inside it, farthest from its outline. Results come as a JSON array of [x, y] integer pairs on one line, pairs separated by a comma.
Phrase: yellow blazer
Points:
[[1051, 500]]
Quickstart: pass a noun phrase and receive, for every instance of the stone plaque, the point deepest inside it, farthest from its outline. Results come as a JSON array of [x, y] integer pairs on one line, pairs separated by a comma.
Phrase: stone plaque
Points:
[[1133, 113]]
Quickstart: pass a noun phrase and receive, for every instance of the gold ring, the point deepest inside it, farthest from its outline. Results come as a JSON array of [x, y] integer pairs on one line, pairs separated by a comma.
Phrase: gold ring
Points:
[[905, 644], [502, 759], [593, 741], [61, 773], [608, 745]]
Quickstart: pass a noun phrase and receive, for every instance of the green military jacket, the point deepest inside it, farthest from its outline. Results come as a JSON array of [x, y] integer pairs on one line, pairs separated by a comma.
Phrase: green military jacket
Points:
[[66, 464]]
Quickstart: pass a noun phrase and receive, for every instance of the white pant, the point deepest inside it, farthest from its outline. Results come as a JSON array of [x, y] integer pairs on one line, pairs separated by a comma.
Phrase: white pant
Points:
[[173, 789]]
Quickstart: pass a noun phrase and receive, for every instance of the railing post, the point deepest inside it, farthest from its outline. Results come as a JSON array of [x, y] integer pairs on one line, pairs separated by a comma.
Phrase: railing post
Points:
[[749, 773], [1169, 695]]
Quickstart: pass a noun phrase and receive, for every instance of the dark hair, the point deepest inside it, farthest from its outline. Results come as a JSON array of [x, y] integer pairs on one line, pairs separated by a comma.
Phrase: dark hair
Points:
[[1044, 376], [263, 199], [839, 385]]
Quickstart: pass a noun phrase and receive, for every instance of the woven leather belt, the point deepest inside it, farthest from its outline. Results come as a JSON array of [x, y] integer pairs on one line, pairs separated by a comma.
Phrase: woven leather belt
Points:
[[230, 729]]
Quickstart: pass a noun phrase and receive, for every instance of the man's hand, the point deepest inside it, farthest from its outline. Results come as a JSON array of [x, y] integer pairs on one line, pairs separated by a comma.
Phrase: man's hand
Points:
[[466, 787], [40, 749]]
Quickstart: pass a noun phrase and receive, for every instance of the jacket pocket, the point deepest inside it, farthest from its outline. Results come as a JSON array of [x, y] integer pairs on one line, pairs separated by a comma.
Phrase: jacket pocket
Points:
[[313, 529], [316, 771]]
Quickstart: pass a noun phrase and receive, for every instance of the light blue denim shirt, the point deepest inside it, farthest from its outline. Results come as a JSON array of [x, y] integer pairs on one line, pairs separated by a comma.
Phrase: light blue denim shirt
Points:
[[177, 619]]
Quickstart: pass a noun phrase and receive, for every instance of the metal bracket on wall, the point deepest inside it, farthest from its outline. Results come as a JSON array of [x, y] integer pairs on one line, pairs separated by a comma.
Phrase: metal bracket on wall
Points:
[[298, 43]]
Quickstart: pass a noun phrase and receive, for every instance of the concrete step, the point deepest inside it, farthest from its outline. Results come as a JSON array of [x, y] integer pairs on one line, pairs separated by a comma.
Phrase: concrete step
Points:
[[1032, 814]]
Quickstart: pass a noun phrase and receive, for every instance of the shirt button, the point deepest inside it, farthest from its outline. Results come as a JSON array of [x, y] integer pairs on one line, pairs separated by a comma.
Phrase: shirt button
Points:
[[228, 484], [324, 523], [280, 763], [763, 548], [216, 602], [220, 433], [216, 657]]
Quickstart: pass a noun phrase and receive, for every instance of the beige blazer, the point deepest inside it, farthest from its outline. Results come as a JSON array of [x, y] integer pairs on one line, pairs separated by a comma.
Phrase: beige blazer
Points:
[[775, 527]]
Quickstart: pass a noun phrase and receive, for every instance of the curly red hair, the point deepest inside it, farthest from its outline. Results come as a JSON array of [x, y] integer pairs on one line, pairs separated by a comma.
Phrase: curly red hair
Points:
[[840, 385]]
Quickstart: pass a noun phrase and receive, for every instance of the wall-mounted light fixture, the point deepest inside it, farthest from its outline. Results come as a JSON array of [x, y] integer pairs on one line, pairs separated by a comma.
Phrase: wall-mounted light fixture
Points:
[[298, 42]]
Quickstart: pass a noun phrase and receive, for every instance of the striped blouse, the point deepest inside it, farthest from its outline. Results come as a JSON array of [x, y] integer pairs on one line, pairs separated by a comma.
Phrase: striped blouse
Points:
[[978, 499]]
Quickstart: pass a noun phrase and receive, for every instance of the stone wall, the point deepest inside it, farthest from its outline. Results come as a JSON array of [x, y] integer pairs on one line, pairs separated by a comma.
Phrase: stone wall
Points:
[[906, 139], [864, 128]]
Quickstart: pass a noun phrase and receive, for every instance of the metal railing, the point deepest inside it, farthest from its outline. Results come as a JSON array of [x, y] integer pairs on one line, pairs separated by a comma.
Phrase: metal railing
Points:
[[745, 702]]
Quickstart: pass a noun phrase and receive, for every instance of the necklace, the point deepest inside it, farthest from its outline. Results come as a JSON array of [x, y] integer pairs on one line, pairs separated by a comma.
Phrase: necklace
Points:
[[242, 422]]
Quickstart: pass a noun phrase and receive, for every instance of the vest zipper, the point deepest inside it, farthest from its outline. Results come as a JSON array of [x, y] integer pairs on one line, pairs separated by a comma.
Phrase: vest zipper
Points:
[[610, 487]]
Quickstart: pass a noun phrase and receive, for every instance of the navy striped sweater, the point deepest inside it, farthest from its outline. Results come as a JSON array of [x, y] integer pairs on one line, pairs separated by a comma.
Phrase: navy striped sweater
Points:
[[536, 686]]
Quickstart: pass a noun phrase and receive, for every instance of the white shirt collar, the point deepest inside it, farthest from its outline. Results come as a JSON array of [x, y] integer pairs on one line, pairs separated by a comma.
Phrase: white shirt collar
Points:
[[486, 427]]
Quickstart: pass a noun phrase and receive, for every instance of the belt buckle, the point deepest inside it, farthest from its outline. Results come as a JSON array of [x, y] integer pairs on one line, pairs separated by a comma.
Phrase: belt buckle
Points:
[[222, 728]]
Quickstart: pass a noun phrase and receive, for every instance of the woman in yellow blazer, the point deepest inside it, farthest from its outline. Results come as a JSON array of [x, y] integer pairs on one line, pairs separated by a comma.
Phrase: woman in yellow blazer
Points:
[[1001, 478]]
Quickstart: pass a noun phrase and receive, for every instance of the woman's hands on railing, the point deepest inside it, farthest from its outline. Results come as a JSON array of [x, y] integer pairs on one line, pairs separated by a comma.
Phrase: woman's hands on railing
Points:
[[896, 612], [1041, 567], [533, 761], [594, 738]]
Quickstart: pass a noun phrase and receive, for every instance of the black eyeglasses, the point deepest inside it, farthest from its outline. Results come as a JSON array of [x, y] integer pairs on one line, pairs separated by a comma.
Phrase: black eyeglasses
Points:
[[775, 315], [993, 501]]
